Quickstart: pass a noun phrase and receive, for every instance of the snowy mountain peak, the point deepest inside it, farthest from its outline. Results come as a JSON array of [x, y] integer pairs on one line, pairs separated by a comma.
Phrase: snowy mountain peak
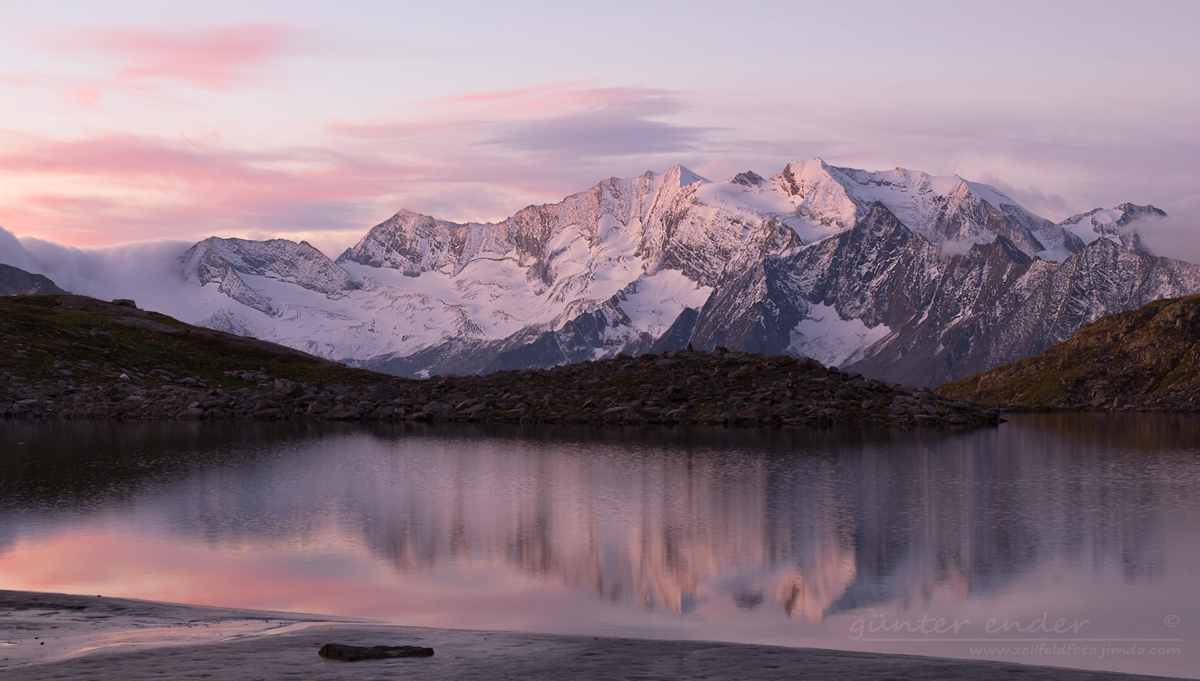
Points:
[[231, 262], [1121, 225], [680, 176], [1132, 211], [818, 193], [407, 241], [943, 209]]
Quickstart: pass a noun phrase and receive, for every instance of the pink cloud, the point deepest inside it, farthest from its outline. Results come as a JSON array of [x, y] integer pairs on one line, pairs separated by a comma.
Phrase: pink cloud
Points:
[[500, 95], [120, 188], [555, 120], [18, 79], [156, 164], [84, 188], [551, 98], [85, 96], [217, 57], [483, 110]]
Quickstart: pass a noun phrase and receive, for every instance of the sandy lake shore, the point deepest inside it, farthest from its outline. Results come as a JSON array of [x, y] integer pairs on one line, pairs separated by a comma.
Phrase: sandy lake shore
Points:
[[55, 636]]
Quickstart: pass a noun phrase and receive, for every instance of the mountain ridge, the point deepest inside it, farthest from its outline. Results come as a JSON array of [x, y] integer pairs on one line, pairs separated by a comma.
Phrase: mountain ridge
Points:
[[897, 274], [16, 281]]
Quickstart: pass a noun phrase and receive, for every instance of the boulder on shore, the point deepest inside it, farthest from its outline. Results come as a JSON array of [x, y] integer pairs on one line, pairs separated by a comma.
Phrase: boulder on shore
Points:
[[347, 653]]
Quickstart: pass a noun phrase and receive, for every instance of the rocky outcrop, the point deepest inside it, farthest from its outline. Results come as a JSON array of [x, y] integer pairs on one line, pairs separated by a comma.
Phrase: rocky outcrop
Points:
[[676, 387]]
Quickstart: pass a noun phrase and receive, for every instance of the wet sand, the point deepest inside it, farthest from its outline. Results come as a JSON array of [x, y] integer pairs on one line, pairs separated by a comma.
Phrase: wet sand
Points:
[[55, 636]]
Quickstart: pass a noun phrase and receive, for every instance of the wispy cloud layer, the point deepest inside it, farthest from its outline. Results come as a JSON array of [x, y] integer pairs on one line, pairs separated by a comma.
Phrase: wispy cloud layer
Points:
[[565, 119], [122, 187], [533, 142], [212, 57]]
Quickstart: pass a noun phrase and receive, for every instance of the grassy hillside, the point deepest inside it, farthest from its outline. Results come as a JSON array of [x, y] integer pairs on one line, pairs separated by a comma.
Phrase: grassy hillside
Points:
[[1147, 358], [91, 342]]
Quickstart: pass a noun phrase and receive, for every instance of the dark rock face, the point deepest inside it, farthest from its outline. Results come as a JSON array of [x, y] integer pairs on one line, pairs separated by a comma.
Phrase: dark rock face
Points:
[[346, 653], [877, 271], [754, 312], [15, 281], [994, 305], [679, 334]]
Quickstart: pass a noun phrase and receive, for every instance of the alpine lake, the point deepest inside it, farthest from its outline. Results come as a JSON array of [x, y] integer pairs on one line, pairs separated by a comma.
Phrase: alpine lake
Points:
[[1067, 540]]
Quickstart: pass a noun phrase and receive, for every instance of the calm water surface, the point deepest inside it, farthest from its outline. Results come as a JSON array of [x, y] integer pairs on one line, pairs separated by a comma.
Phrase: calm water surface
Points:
[[1069, 540]]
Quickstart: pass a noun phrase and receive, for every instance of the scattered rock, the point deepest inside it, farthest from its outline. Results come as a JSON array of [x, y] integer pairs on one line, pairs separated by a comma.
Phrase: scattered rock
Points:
[[101, 337], [691, 388], [385, 391]]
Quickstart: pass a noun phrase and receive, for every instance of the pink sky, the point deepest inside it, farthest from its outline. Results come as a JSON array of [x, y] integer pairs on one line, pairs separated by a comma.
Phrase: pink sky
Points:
[[132, 121]]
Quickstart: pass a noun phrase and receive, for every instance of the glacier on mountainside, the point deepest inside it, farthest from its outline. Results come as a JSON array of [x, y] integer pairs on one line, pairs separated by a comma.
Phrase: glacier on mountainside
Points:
[[831, 340]]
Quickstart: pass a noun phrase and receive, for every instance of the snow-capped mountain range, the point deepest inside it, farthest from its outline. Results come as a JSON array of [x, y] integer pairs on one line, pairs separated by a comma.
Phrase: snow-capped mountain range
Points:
[[897, 274]]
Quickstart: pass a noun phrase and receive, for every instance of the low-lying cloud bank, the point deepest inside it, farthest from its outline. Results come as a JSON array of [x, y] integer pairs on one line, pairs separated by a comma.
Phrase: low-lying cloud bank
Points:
[[146, 271], [1177, 235]]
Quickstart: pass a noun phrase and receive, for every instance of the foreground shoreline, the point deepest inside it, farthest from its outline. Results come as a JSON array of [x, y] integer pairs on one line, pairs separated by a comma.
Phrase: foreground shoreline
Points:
[[59, 636]]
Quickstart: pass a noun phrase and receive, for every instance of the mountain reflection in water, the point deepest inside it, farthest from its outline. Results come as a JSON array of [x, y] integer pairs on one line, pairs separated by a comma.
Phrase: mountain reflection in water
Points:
[[807, 527]]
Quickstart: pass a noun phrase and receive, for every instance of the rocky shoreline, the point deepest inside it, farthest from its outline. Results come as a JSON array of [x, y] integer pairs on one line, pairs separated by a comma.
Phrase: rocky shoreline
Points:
[[679, 387], [61, 637]]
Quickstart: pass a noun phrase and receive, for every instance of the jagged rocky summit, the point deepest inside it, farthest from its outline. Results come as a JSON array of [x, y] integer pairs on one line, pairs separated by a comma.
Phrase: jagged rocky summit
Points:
[[1146, 359], [897, 275]]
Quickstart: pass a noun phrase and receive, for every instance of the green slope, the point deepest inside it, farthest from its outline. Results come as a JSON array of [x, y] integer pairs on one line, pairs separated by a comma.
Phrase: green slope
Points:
[[92, 342], [1149, 356]]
